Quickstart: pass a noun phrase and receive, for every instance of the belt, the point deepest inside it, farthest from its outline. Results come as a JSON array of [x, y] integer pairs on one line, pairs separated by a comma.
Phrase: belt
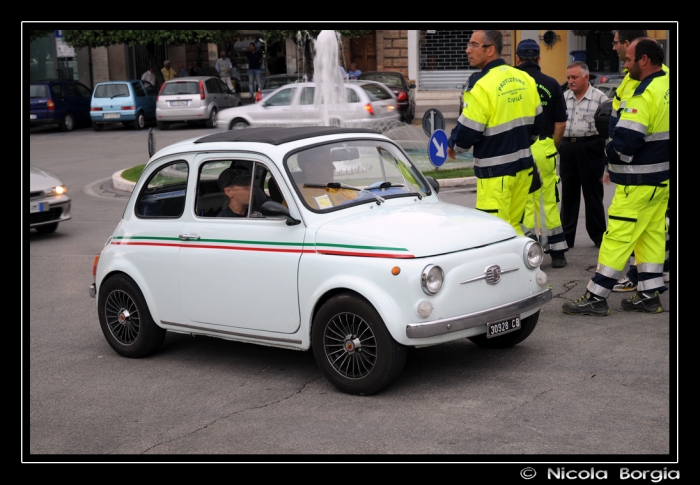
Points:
[[578, 139]]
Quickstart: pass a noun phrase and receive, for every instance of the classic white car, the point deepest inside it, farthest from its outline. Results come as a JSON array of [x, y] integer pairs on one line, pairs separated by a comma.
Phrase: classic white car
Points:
[[341, 246]]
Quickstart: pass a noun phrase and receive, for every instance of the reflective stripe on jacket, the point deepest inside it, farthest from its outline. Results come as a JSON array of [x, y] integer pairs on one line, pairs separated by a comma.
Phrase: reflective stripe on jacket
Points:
[[502, 116], [639, 151]]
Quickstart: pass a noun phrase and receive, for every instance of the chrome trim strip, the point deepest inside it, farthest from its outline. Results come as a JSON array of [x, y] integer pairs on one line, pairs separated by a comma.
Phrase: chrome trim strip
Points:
[[455, 324], [207, 331], [483, 276]]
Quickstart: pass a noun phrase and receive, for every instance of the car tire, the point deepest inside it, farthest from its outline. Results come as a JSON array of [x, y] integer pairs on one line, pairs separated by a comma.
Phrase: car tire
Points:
[[238, 124], [125, 319], [47, 228], [353, 347], [97, 126], [510, 339], [162, 125], [212, 120], [140, 122], [68, 123]]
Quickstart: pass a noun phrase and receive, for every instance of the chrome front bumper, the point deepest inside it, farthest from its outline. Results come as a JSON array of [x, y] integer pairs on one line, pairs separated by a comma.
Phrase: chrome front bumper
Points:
[[462, 322]]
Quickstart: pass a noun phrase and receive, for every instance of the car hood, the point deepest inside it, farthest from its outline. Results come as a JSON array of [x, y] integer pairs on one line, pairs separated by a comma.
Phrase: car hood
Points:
[[420, 230], [40, 179]]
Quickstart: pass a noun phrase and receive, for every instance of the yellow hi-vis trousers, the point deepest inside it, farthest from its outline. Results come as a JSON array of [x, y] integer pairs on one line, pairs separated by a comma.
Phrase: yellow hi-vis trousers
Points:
[[505, 196], [545, 200]]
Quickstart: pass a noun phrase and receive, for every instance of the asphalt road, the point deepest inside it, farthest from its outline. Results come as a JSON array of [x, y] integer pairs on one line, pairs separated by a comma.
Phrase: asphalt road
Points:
[[579, 390]]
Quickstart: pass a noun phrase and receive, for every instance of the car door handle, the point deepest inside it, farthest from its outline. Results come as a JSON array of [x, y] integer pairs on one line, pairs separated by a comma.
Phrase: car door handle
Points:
[[189, 237]]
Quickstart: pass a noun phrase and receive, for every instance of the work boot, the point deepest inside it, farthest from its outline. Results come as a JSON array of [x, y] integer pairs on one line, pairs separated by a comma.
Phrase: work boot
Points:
[[558, 260], [588, 304], [643, 302], [625, 284]]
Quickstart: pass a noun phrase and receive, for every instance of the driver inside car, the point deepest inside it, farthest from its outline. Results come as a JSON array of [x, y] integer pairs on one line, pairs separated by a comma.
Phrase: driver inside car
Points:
[[317, 170]]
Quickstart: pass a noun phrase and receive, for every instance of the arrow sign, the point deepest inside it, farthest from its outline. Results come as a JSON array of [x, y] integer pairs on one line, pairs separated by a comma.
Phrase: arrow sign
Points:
[[437, 148]]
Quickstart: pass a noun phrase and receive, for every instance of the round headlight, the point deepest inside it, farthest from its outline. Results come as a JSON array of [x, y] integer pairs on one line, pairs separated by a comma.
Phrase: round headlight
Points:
[[533, 254], [431, 279]]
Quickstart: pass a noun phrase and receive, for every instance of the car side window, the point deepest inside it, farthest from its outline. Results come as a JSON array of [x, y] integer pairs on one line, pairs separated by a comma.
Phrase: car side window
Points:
[[138, 89], [352, 95], [282, 98], [57, 90], [71, 91], [163, 196], [150, 88], [307, 95], [212, 87], [222, 88], [212, 198]]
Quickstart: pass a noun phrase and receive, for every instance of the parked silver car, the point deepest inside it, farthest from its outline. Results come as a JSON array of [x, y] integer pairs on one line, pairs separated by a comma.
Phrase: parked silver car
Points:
[[48, 202], [193, 99], [367, 104]]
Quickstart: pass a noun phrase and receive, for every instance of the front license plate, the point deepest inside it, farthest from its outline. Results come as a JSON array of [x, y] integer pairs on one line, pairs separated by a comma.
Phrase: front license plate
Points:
[[112, 115], [178, 103], [32, 117], [504, 326], [38, 207]]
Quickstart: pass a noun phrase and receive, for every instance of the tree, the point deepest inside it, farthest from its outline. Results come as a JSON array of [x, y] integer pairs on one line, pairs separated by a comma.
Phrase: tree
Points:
[[304, 38], [148, 38], [38, 34]]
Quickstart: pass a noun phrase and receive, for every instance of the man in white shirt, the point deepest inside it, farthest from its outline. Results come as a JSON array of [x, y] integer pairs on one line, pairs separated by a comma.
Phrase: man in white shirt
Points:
[[582, 157], [150, 76], [223, 67]]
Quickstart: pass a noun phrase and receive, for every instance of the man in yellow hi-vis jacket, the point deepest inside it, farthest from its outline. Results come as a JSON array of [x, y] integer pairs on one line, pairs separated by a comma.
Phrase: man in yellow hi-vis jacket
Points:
[[639, 163], [501, 118]]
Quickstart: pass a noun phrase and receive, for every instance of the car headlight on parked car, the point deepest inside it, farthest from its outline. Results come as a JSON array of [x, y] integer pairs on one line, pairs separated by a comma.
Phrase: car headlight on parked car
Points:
[[431, 279], [57, 190], [533, 254]]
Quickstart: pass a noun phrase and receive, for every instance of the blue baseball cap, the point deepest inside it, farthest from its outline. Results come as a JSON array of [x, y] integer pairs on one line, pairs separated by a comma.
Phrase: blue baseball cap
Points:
[[528, 48]]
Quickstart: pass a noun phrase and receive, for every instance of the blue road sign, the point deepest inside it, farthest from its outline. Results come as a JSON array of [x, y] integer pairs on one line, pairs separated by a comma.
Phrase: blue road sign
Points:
[[437, 148]]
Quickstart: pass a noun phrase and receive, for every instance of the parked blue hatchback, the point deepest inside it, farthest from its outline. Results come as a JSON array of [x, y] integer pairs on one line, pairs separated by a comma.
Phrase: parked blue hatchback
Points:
[[130, 102], [62, 102]]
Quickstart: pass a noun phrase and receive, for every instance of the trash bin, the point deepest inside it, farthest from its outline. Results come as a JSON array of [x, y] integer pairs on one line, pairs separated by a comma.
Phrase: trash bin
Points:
[[578, 56]]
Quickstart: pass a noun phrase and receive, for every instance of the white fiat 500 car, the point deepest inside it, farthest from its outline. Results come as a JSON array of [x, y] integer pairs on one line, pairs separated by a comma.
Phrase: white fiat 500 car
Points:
[[364, 104], [311, 238]]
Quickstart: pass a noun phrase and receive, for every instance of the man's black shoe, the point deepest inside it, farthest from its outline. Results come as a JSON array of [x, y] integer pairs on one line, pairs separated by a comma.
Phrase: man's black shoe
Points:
[[643, 302], [558, 261], [588, 304]]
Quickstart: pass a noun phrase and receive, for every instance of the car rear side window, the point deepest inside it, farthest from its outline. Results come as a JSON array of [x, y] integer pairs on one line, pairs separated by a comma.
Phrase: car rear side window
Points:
[[71, 91], [376, 92], [163, 196], [57, 90], [138, 89], [352, 96]]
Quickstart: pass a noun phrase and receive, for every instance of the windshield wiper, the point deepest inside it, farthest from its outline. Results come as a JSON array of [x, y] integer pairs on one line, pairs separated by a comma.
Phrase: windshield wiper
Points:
[[337, 185]]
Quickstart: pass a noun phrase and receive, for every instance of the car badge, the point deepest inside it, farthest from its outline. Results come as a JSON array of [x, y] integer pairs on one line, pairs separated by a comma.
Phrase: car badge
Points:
[[493, 274]]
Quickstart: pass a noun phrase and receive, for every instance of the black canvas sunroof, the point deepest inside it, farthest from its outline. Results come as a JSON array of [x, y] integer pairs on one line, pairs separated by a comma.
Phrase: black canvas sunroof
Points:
[[277, 135]]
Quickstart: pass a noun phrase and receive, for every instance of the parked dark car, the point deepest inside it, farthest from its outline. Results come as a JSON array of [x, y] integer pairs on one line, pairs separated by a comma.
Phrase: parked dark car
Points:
[[129, 102], [270, 83], [62, 102], [396, 82]]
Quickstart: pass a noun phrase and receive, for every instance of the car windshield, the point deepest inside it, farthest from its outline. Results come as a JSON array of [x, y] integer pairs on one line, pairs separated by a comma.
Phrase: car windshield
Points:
[[376, 92], [354, 172], [38, 91], [181, 87], [388, 79], [111, 91]]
